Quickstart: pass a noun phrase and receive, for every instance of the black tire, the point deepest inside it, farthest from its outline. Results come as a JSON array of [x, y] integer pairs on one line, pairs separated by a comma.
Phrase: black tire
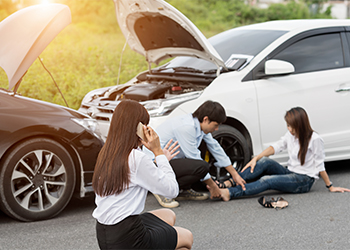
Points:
[[235, 146], [37, 180]]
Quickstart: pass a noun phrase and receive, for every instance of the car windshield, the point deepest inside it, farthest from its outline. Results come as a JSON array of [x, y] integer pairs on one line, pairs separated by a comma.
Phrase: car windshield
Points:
[[234, 41]]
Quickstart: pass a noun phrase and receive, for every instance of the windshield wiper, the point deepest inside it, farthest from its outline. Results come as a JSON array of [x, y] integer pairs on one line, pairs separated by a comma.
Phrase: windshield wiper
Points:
[[178, 69], [187, 69]]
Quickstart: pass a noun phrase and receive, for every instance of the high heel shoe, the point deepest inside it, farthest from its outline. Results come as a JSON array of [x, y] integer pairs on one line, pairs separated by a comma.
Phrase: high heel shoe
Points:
[[270, 202]]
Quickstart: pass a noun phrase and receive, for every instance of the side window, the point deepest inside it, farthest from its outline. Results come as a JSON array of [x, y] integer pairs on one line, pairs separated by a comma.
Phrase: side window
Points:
[[314, 53]]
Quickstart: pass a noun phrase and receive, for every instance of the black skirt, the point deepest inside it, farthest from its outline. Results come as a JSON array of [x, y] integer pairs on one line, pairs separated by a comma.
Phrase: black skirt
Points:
[[144, 231]]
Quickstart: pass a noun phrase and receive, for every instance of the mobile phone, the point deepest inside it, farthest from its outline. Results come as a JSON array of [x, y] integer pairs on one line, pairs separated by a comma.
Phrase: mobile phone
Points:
[[139, 131]]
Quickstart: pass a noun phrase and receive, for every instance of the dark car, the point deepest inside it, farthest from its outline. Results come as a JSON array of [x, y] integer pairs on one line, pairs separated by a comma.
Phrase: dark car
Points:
[[47, 152]]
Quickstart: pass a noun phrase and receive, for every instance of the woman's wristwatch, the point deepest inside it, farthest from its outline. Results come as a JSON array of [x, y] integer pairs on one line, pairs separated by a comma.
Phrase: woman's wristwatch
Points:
[[329, 185]]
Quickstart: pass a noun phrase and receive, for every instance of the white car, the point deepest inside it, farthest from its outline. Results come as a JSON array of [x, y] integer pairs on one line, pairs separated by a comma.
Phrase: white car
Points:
[[257, 72]]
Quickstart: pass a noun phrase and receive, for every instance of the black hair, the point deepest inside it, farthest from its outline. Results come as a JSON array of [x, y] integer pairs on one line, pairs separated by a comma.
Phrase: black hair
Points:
[[298, 119], [112, 172], [214, 110]]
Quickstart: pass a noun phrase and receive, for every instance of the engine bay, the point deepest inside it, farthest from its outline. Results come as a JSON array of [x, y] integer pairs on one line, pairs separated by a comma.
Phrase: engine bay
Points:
[[145, 91]]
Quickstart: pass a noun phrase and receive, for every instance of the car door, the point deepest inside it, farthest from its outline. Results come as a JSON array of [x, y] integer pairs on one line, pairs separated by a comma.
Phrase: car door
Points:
[[321, 61]]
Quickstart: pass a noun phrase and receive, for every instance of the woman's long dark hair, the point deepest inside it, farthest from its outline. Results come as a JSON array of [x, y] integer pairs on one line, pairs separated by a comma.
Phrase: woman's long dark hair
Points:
[[298, 119], [112, 173]]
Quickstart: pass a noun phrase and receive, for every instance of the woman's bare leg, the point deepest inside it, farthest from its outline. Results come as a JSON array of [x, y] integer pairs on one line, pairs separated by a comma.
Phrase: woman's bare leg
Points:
[[166, 215], [184, 236]]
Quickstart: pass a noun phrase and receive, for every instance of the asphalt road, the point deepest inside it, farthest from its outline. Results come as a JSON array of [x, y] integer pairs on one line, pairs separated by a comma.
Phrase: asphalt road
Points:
[[315, 220]]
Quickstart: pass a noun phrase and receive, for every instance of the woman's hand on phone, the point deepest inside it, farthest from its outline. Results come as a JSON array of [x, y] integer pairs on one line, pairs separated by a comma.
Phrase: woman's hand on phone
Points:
[[152, 143]]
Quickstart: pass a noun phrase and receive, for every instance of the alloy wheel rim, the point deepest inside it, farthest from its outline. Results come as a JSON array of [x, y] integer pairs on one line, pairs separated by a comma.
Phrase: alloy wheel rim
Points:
[[38, 180]]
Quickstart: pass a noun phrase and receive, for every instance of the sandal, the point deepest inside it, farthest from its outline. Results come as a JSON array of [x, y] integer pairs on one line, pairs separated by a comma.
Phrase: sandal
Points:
[[221, 184], [270, 202]]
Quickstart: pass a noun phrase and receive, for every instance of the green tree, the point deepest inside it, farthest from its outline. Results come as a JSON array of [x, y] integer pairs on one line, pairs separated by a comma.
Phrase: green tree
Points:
[[291, 10]]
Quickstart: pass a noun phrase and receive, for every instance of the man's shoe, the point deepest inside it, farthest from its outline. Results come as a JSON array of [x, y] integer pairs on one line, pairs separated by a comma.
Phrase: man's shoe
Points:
[[190, 194], [165, 202]]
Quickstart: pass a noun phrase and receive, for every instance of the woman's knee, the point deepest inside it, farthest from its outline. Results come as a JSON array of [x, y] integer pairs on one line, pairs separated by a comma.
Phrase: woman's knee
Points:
[[265, 160], [184, 238], [166, 215], [266, 178], [271, 167]]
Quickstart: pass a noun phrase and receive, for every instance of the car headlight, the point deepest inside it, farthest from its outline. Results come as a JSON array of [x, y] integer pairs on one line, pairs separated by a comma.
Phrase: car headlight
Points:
[[163, 107], [89, 124]]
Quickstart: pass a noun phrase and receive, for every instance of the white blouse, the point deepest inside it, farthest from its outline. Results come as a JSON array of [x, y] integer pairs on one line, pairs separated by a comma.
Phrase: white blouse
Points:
[[144, 176], [314, 159]]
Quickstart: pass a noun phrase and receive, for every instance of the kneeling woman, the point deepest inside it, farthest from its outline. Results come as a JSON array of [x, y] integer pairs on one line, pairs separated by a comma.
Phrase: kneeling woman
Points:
[[305, 165], [122, 178]]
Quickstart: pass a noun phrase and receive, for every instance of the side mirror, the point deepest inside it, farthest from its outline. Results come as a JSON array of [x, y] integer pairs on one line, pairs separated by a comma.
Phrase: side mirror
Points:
[[278, 67]]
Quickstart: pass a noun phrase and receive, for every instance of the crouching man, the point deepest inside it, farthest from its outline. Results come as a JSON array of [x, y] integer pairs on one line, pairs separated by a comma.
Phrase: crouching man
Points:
[[190, 131]]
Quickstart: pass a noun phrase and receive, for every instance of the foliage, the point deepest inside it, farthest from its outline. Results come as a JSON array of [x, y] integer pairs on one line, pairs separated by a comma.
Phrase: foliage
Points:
[[291, 10], [6, 8], [83, 57], [86, 54], [215, 16]]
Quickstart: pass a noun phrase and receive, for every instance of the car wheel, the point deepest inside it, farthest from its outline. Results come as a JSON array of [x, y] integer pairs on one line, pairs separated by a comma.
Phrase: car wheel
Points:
[[37, 180], [235, 146]]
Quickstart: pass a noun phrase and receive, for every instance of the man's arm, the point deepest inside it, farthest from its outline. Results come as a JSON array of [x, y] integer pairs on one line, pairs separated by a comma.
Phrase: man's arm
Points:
[[222, 159], [235, 176]]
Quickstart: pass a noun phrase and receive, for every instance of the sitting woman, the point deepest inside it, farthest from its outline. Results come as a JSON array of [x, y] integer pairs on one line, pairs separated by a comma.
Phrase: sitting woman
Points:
[[122, 178], [305, 165]]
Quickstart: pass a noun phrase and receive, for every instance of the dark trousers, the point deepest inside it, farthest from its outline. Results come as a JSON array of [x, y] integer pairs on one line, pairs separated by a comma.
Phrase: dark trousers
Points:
[[189, 171]]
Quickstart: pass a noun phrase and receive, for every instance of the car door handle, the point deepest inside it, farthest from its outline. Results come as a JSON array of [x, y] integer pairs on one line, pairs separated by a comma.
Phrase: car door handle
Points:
[[342, 89]]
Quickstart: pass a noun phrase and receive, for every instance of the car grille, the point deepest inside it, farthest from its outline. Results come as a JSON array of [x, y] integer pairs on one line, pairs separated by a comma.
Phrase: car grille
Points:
[[98, 112]]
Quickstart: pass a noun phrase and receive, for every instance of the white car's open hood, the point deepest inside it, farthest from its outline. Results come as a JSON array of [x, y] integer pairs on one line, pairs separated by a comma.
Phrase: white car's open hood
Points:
[[157, 30], [26, 33]]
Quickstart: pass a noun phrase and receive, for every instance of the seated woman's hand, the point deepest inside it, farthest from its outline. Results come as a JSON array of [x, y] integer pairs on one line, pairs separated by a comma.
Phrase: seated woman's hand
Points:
[[339, 189], [250, 164]]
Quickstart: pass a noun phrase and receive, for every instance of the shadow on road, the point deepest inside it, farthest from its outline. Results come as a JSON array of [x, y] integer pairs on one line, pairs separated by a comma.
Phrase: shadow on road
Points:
[[76, 205], [338, 166], [87, 204]]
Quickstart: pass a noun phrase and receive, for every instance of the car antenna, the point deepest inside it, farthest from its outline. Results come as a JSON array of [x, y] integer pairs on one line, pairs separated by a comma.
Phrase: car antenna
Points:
[[40, 60]]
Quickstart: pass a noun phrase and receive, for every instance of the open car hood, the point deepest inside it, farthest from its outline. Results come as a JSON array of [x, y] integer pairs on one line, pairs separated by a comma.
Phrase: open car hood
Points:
[[26, 33], [157, 30]]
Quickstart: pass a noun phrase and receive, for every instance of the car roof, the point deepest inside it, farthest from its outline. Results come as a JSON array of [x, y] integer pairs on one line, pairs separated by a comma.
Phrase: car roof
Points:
[[291, 25]]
